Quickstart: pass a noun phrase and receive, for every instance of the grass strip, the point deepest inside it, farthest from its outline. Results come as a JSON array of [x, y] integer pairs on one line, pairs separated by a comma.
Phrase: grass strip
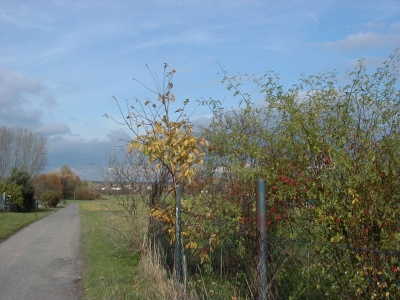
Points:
[[109, 270]]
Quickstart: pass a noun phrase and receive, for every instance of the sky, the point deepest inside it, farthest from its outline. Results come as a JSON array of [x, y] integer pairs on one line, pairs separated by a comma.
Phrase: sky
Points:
[[62, 61]]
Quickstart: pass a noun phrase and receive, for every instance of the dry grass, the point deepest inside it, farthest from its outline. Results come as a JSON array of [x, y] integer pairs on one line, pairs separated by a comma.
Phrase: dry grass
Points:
[[113, 241], [152, 280]]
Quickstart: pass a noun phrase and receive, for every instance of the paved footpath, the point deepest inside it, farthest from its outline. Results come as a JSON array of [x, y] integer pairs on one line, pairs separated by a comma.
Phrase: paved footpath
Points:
[[43, 261]]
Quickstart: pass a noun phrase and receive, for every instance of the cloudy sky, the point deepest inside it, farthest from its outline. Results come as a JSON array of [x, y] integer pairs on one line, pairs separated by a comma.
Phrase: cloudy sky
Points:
[[61, 61]]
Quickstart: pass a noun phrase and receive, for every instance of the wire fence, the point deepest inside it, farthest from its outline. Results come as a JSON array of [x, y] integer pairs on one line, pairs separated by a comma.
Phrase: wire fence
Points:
[[286, 268], [306, 270], [264, 266]]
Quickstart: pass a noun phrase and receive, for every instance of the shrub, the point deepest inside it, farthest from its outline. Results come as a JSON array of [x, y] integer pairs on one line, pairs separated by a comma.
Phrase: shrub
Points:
[[15, 191], [19, 186], [85, 193], [50, 198]]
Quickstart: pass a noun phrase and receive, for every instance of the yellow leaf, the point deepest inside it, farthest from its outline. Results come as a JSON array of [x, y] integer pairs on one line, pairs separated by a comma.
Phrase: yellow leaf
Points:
[[157, 213], [191, 245]]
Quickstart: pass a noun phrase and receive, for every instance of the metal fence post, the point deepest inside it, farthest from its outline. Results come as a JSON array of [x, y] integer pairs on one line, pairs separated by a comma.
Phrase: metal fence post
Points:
[[178, 249], [261, 242]]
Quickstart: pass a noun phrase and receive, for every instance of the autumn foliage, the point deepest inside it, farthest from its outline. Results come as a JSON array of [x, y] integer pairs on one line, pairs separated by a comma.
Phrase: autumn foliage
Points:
[[329, 151], [48, 182]]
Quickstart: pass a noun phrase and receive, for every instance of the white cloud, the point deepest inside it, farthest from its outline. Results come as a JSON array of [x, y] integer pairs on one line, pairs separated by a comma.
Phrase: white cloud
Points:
[[370, 61], [15, 108], [15, 86], [54, 128], [365, 40], [24, 100]]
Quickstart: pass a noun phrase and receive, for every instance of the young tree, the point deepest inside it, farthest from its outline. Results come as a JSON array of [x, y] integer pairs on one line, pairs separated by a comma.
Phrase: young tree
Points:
[[164, 137]]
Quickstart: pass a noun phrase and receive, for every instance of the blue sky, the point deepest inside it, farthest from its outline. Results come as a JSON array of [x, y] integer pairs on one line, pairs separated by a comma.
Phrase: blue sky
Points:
[[62, 61]]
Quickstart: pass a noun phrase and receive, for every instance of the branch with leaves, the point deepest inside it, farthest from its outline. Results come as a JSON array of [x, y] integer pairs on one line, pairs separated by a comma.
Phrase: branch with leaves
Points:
[[171, 144]]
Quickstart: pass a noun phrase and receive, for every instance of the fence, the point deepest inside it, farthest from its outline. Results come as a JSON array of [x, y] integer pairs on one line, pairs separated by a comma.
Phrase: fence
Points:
[[5, 202], [2, 201], [262, 266], [305, 270]]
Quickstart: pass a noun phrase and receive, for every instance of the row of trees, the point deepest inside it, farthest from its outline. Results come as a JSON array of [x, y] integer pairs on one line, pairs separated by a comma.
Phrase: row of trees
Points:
[[328, 148], [23, 155], [50, 188], [64, 184]]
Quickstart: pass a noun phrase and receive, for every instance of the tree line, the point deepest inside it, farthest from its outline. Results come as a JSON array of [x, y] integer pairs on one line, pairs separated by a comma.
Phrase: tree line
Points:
[[23, 155]]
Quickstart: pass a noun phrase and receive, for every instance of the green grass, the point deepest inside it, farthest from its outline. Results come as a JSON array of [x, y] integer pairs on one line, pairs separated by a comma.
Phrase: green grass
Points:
[[109, 270], [118, 273], [11, 222]]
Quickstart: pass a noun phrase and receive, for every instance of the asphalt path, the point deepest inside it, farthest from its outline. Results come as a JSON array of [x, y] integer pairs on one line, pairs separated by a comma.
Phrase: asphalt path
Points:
[[43, 261]]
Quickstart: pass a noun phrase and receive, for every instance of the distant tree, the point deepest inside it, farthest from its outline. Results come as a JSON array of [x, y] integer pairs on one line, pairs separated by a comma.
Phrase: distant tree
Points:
[[47, 182], [66, 170], [21, 149], [6, 150], [69, 181]]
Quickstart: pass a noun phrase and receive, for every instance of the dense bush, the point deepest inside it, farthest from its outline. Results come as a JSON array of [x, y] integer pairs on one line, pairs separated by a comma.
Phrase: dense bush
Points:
[[47, 182], [86, 193], [330, 154], [19, 186], [50, 198], [322, 141], [15, 191]]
